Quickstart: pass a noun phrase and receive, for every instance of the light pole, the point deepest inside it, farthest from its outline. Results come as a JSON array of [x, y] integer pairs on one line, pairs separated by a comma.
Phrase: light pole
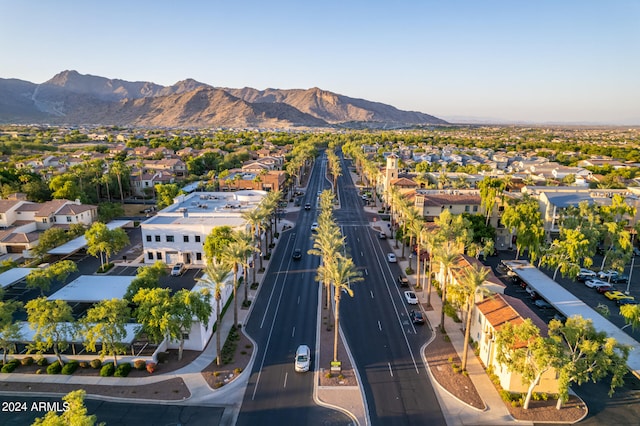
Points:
[[633, 259]]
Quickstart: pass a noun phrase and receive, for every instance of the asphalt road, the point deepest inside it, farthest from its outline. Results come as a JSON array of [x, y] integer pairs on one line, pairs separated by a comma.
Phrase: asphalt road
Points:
[[284, 316], [384, 342]]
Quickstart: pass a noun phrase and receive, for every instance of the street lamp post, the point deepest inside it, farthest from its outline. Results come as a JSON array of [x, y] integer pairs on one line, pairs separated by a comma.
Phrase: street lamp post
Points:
[[633, 258]]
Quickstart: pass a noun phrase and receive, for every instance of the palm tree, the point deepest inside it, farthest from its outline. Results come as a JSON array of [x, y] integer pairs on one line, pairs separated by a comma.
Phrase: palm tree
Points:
[[245, 245], [233, 256], [254, 220], [447, 255], [471, 283], [214, 277], [344, 273], [119, 168], [414, 228], [327, 244]]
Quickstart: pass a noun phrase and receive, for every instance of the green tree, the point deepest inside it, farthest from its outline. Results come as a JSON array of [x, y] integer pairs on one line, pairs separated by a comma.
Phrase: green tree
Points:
[[343, 274], [187, 307], [490, 188], [75, 413], [9, 329], [521, 349], [105, 323], [53, 323], [587, 355], [42, 278], [50, 238], [234, 255], [165, 194], [109, 211], [214, 277], [103, 242], [565, 254], [217, 241], [447, 256], [523, 218], [147, 277]]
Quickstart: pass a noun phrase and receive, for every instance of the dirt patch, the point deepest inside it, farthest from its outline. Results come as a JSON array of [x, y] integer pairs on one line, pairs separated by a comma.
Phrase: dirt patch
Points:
[[441, 355], [220, 375]]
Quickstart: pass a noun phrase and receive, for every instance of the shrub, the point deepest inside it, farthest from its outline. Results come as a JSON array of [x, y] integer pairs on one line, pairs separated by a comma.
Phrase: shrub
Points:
[[84, 364], [9, 367], [54, 368], [70, 367], [451, 312], [163, 357], [151, 367], [237, 370], [217, 385], [409, 271], [341, 376], [328, 375], [27, 361], [42, 362], [139, 364], [123, 370], [39, 371], [95, 363], [107, 370]]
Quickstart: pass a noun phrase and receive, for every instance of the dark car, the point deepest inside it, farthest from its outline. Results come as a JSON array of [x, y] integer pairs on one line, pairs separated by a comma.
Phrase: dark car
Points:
[[542, 304], [307, 206], [620, 278], [416, 317], [627, 302], [403, 281], [297, 254]]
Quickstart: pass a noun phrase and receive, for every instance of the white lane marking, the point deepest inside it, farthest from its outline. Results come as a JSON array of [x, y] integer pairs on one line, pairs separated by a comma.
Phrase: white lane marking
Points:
[[366, 271], [293, 332], [390, 370], [379, 326], [361, 254], [298, 300], [285, 379], [371, 294]]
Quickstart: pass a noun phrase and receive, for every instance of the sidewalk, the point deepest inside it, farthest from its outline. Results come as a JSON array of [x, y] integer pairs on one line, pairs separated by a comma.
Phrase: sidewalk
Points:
[[455, 411]]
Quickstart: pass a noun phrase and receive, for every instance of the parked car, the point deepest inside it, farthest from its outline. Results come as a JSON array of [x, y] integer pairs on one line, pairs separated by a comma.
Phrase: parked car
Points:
[[542, 304], [585, 274], [416, 317], [177, 269], [620, 278], [303, 358], [605, 288], [617, 295], [297, 254], [403, 281], [391, 258], [411, 297], [558, 316], [382, 235], [595, 283], [627, 302], [605, 275]]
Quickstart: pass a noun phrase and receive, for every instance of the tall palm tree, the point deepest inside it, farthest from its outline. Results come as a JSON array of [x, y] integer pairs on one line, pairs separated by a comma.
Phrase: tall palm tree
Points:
[[414, 227], [470, 284], [447, 255], [344, 273], [245, 243], [327, 244], [416, 230], [215, 274], [233, 256], [254, 220]]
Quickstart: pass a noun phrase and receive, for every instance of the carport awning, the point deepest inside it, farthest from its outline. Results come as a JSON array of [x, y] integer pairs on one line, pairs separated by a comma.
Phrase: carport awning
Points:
[[14, 275], [76, 244], [93, 288]]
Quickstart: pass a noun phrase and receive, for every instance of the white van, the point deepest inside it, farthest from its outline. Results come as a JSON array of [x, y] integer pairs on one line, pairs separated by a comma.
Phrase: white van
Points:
[[303, 358]]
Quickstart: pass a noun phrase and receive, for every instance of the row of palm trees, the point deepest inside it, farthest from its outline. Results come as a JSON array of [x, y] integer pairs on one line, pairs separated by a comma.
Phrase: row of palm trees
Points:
[[336, 267], [238, 253]]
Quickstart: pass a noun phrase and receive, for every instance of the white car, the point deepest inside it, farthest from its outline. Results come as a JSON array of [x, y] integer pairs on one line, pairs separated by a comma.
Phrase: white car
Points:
[[314, 227], [586, 274], [411, 297], [604, 275], [595, 283], [177, 269], [303, 358], [391, 258]]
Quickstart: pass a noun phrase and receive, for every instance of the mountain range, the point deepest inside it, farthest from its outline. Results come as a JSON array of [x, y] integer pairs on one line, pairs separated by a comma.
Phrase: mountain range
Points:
[[71, 98]]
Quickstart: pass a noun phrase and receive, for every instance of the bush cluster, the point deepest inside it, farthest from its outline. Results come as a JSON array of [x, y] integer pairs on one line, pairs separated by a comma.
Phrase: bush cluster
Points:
[[139, 364], [107, 370], [27, 361], [10, 366], [95, 364], [70, 367], [122, 370], [54, 368], [230, 345], [42, 362]]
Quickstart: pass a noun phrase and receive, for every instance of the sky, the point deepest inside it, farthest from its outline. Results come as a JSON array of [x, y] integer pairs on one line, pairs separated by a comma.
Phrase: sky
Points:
[[542, 61]]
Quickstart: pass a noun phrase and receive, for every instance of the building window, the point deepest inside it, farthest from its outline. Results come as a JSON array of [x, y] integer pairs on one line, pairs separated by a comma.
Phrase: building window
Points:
[[157, 238], [150, 255], [198, 256], [169, 238], [159, 255], [148, 238], [44, 220], [185, 336], [466, 209], [197, 238], [69, 219], [475, 209], [185, 238]]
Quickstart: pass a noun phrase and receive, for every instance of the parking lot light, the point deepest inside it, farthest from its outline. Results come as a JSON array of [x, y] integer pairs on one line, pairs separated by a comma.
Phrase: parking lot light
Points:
[[633, 259]]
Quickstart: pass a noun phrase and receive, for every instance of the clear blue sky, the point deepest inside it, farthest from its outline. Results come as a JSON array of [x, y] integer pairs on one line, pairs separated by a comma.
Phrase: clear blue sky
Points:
[[536, 61]]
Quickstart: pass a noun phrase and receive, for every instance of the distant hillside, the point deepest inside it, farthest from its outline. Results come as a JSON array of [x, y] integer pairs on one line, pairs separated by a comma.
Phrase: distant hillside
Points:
[[77, 99]]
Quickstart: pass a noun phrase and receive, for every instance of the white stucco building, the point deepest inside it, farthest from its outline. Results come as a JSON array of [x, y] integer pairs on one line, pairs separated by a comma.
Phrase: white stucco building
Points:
[[178, 232]]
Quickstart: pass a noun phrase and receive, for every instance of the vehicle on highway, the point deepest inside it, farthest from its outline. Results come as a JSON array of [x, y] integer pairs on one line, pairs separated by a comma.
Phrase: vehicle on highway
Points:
[[314, 227], [416, 317], [403, 281], [177, 269], [303, 358], [411, 297], [382, 236], [617, 295], [307, 206], [595, 283], [297, 254], [391, 258], [542, 304], [585, 274]]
